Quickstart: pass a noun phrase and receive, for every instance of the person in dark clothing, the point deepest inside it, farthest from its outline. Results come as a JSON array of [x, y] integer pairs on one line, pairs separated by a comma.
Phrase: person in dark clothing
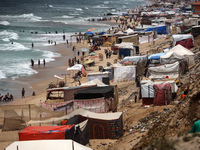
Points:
[[32, 45], [44, 62], [38, 62], [23, 93], [32, 62]]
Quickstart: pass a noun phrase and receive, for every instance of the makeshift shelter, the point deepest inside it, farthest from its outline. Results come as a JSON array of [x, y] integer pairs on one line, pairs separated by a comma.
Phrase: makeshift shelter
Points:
[[46, 145], [126, 49], [134, 59], [130, 38], [178, 53], [46, 132], [196, 31], [129, 31], [124, 73], [98, 75], [148, 91], [186, 40], [164, 71], [159, 29], [155, 56], [67, 93], [96, 99], [101, 125], [78, 67]]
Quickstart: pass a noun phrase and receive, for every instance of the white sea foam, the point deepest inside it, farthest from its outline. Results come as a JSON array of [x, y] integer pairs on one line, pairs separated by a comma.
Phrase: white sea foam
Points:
[[8, 35], [65, 16], [51, 6], [5, 23], [100, 6], [79, 9], [26, 17], [2, 75], [49, 56], [12, 47], [86, 8]]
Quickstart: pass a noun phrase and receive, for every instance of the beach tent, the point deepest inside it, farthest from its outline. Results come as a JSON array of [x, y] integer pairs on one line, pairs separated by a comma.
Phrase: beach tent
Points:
[[46, 145], [124, 73], [129, 31], [97, 99], [98, 75], [120, 33], [164, 71], [148, 91], [126, 49], [78, 67], [134, 39], [186, 40], [101, 125], [84, 50], [46, 132], [178, 53], [159, 29], [134, 59]]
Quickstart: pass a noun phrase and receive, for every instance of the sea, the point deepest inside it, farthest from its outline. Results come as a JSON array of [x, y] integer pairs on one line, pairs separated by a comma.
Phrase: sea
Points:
[[23, 22]]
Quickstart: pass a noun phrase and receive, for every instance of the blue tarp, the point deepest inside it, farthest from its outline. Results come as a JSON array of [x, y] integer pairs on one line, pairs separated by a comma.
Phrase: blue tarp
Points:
[[124, 52], [156, 56], [159, 29], [102, 33], [90, 33]]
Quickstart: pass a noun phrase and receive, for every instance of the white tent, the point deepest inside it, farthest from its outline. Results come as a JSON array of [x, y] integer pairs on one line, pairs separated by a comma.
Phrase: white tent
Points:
[[120, 33], [46, 145], [162, 71], [180, 37], [179, 52], [128, 45], [76, 67], [129, 31]]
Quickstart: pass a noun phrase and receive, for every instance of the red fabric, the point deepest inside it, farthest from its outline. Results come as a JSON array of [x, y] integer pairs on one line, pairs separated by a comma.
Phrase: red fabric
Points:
[[159, 99], [147, 101], [183, 95], [188, 43], [84, 73], [44, 132]]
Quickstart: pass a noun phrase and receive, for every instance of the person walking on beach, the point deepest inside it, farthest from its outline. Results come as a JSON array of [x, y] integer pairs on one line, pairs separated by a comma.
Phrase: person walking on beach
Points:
[[44, 62], [38, 62], [23, 93], [63, 37], [78, 53]]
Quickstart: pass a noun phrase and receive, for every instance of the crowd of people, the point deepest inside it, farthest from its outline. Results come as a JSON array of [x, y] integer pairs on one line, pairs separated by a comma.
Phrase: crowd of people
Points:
[[32, 62], [6, 98]]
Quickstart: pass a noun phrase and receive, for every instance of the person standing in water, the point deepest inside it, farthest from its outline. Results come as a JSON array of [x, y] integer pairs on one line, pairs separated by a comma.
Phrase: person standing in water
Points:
[[32, 45], [23, 93], [44, 62], [38, 61]]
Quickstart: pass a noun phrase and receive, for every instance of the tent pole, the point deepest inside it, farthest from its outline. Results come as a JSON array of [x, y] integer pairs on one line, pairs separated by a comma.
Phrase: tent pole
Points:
[[29, 112], [72, 145]]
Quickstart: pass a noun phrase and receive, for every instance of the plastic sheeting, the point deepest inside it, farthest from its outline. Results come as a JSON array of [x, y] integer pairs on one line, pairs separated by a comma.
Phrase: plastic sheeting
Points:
[[124, 73], [170, 70], [134, 59], [47, 145], [147, 90]]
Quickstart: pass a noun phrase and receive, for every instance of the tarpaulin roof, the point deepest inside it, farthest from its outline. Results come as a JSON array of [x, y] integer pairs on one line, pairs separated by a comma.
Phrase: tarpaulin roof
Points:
[[179, 37], [128, 45], [77, 67], [156, 56], [82, 112], [95, 92], [47, 145]]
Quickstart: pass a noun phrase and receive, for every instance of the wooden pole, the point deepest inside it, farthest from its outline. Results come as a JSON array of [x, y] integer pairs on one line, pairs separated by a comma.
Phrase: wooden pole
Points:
[[72, 145], [29, 112]]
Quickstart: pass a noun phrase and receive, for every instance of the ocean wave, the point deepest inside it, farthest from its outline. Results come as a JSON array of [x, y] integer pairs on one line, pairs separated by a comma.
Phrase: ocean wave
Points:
[[51, 6], [5, 35], [25, 17], [5, 23], [12, 47], [100, 6], [65, 16], [49, 56], [86, 8], [79, 9], [2, 75]]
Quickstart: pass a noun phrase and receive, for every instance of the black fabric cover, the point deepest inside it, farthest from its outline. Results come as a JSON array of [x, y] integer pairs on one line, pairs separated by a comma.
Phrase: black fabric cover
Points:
[[95, 92], [73, 120], [82, 137]]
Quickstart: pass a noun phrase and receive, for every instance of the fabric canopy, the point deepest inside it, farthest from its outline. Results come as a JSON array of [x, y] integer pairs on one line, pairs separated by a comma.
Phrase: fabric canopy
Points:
[[128, 45], [156, 56], [170, 70], [77, 67], [129, 31], [179, 50], [47, 145], [84, 113]]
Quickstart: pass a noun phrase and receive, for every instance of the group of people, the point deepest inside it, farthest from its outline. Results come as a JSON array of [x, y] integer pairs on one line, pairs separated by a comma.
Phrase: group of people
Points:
[[32, 62], [6, 98], [108, 53]]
